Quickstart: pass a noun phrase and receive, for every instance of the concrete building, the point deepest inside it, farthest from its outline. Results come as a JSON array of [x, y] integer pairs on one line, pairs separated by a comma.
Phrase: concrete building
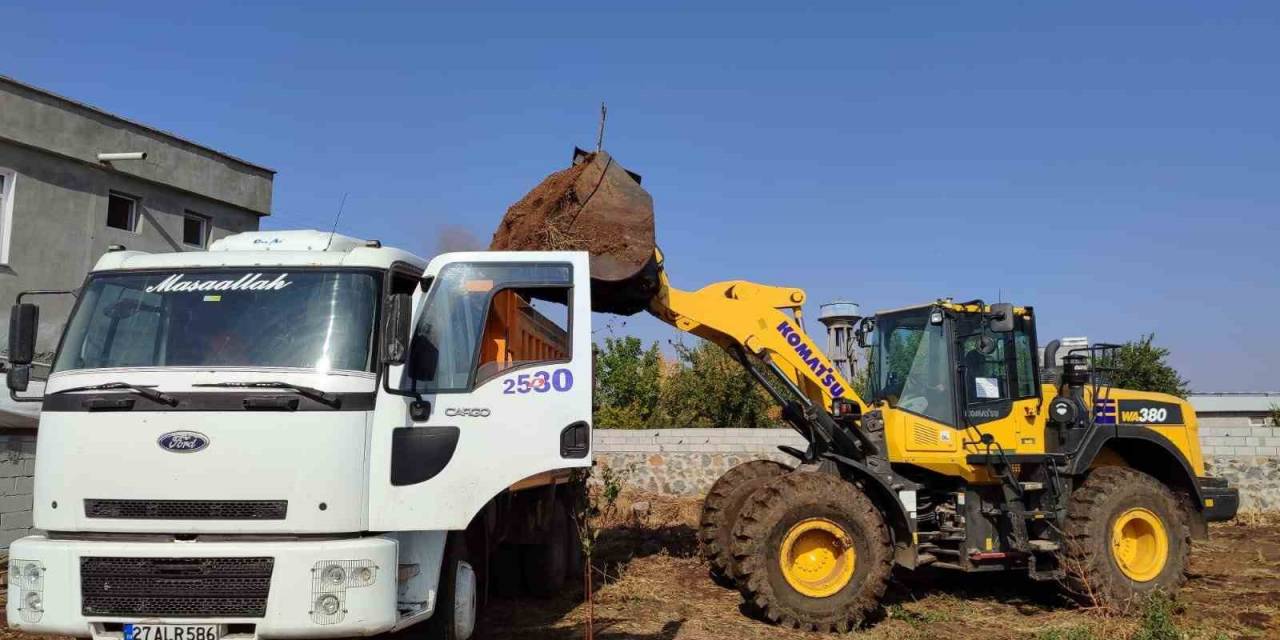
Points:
[[62, 203]]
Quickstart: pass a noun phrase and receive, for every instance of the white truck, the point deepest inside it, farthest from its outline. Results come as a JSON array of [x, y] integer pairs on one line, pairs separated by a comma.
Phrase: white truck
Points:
[[298, 434]]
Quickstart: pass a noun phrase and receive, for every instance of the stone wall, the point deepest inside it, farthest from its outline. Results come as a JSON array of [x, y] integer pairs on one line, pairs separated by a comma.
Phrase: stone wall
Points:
[[17, 465], [687, 461]]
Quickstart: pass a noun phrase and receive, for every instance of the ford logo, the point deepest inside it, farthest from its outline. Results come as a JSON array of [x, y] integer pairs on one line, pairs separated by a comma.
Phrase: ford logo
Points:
[[183, 441]]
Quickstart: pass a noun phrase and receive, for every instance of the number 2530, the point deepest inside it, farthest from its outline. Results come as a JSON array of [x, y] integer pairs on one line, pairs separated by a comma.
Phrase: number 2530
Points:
[[538, 382]]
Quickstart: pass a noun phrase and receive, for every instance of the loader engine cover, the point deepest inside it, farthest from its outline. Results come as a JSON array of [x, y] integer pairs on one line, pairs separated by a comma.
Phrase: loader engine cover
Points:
[[596, 206]]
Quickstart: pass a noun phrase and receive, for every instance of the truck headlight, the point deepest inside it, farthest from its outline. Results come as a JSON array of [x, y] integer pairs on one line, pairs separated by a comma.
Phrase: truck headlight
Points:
[[330, 580], [335, 575], [26, 585], [328, 604]]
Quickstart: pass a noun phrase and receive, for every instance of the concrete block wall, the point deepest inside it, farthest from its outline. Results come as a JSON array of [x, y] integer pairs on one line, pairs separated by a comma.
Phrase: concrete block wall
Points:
[[17, 468], [1234, 437], [687, 461]]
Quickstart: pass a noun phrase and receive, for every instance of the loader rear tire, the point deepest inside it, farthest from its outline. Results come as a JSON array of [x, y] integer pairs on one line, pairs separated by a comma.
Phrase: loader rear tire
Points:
[[720, 511], [813, 552], [1126, 536]]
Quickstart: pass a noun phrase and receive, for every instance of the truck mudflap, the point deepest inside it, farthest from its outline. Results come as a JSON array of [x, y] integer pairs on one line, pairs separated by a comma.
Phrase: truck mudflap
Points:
[[1221, 502]]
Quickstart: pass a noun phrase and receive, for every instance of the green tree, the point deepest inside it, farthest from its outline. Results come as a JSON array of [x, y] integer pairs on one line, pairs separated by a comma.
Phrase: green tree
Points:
[[628, 376], [711, 389], [1275, 415], [1142, 366]]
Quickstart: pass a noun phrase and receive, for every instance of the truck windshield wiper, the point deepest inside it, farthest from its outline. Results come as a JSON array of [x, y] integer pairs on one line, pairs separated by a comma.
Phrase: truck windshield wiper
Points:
[[145, 391], [306, 392]]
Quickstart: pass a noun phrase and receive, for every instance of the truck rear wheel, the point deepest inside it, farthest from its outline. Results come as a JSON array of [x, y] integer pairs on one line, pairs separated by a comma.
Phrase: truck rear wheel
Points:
[[455, 615], [720, 511], [546, 564], [813, 552], [1125, 537]]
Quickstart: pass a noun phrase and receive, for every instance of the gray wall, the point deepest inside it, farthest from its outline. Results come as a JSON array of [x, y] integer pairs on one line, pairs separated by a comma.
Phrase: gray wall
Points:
[[59, 193], [17, 464], [38, 119], [688, 461]]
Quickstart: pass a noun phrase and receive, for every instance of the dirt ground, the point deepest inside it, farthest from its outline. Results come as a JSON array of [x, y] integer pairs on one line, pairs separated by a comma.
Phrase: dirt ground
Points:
[[651, 585], [656, 588]]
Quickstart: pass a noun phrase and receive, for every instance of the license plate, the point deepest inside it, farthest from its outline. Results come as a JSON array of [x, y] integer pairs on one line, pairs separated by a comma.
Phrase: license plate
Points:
[[171, 632]]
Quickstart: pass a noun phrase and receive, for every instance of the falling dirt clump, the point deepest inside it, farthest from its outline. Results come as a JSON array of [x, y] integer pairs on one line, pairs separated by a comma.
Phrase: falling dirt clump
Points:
[[594, 206]]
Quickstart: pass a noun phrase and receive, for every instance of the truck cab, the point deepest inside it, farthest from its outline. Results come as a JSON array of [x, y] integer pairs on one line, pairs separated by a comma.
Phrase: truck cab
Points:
[[301, 434]]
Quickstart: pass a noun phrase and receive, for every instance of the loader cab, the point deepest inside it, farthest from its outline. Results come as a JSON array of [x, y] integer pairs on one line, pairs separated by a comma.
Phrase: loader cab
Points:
[[940, 369]]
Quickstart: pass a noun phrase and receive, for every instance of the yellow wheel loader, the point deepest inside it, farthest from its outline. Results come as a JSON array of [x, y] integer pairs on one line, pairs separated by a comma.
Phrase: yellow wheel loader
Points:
[[962, 456]]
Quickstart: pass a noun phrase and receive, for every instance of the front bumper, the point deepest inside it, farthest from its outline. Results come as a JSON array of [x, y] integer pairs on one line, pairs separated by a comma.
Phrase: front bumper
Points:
[[368, 606], [1221, 502]]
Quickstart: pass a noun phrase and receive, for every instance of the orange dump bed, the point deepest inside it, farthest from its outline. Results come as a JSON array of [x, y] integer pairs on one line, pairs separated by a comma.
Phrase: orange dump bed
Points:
[[515, 332]]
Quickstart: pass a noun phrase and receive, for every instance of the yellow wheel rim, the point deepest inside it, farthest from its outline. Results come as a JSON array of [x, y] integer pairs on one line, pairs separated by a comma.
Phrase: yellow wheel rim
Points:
[[817, 557], [1139, 544]]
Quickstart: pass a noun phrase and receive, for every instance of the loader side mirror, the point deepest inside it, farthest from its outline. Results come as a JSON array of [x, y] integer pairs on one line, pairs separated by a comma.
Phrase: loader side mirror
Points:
[[24, 320], [397, 329], [863, 332], [1002, 317]]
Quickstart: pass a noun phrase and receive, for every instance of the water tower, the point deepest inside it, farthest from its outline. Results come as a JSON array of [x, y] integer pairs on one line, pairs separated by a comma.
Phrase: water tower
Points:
[[841, 317]]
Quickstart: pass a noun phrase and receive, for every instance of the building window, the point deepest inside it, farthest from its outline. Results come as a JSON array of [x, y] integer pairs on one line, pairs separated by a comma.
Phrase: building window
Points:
[[195, 230], [1257, 421], [6, 213], [122, 212]]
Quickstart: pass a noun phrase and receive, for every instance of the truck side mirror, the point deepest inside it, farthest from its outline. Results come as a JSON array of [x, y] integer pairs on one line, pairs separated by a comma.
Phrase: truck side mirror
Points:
[[1001, 317], [24, 319], [397, 329], [18, 377]]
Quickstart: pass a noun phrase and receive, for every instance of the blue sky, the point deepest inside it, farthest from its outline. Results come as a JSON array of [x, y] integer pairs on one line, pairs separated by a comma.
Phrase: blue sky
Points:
[[1116, 165]]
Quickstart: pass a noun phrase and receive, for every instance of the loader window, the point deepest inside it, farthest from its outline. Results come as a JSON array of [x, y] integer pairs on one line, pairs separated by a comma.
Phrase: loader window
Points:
[[484, 319], [910, 365], [986, 375]]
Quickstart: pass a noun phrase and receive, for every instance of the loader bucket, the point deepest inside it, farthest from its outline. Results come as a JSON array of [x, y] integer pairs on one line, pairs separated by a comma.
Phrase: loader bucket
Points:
[[596, 206]]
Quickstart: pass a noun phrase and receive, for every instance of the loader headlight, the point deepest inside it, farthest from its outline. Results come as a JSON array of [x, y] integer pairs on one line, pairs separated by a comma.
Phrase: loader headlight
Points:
[[34, 601], [330, 580]]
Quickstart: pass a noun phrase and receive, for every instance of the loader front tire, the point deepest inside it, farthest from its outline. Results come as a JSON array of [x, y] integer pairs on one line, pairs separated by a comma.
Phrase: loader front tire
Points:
[[1126, 536], [813, 552], [720, 511]]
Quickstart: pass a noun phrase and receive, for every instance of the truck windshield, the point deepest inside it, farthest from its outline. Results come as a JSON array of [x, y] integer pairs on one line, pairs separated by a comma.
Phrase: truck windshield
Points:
[[302, 319], [909, 365]]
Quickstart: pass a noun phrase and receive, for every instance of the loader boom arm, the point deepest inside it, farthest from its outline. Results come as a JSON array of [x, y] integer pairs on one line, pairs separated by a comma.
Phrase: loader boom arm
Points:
[[742, 316]]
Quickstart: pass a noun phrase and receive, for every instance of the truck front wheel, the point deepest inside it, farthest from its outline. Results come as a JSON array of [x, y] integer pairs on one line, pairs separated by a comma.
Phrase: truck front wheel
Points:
[[455, 615]]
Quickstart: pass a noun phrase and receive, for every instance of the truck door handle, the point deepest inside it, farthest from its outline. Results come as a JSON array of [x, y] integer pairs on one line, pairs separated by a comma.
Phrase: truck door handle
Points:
[[575, 440]]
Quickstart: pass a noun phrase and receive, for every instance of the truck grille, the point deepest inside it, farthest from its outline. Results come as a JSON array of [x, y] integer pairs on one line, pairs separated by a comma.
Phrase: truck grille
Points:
[[175, 587], [186, 509]]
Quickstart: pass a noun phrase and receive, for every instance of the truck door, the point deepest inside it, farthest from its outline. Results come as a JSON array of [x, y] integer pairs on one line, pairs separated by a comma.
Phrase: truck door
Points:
[[496, 388]]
